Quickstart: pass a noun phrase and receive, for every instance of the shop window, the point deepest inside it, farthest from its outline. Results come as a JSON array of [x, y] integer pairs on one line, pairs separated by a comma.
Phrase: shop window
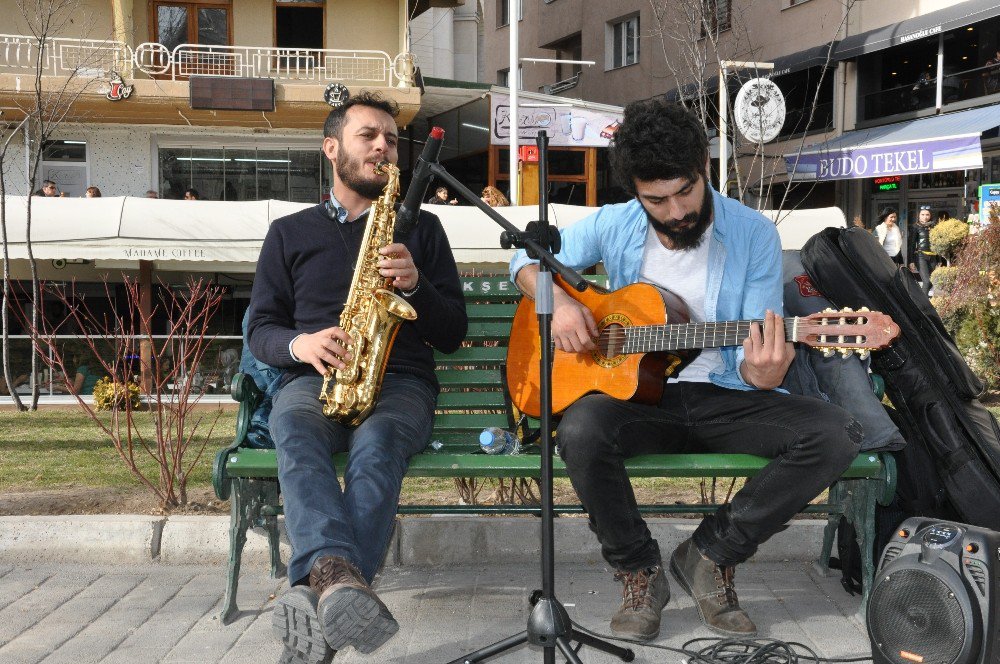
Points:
[[623, 38], [298, 24], [898, 80], [192, 23], [65, 163], [805, 111], [241, 173], [968, 52]]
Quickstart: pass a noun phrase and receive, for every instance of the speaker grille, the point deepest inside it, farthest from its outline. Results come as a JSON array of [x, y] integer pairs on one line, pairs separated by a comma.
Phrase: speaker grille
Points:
[[912, 612]]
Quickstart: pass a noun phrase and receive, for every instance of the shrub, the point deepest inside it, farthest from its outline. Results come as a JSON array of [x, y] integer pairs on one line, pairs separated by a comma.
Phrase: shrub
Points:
[[947, 236], [109, 395], [943, 279], [973, 334]]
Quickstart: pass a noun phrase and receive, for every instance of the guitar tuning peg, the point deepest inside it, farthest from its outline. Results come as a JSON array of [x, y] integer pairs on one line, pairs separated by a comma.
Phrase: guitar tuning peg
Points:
[[846, 353], [829, 310], [847, 310], [864, 309], [863, 354], [829, 352]]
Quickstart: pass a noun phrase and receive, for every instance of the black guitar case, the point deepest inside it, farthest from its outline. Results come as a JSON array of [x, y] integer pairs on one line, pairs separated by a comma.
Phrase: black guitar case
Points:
[[930, 385]]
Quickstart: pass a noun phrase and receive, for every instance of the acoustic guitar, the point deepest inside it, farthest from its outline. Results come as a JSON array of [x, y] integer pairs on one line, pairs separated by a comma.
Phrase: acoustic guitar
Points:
[[644, 334]]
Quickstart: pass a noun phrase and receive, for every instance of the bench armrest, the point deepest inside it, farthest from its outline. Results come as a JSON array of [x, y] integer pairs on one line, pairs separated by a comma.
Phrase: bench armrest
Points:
[[249, 396]]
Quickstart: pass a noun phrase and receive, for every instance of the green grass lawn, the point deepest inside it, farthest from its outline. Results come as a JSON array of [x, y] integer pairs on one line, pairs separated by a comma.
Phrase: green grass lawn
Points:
[[58, 448], [51, 449]]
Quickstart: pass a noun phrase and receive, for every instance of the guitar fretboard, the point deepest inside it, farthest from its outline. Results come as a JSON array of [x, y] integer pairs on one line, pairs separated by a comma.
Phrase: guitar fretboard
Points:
[[683, 336]]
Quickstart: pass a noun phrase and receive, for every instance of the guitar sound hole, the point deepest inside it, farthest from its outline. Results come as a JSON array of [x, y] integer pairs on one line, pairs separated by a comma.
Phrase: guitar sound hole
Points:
[[611, 341]]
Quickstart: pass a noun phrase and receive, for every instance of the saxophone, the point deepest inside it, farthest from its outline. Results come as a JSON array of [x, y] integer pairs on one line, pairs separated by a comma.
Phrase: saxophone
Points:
[[371, 317]]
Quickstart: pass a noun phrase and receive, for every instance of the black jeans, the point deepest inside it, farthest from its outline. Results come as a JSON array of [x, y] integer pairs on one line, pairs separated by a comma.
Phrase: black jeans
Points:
[[925, 265], [811, 441]]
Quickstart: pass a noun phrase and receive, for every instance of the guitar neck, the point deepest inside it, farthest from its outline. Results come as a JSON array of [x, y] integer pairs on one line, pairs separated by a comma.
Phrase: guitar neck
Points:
[[689, 336]]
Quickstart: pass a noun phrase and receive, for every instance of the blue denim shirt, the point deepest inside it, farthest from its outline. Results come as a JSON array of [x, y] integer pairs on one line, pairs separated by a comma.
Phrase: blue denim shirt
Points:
[[744, 263]]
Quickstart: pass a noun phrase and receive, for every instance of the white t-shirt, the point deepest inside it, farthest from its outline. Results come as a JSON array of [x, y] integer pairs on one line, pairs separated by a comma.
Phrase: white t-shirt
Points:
[[685, 274]]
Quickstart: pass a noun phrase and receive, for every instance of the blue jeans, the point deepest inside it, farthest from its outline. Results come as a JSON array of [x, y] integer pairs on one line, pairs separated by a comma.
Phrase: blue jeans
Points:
[[810, 441], [356, 522]]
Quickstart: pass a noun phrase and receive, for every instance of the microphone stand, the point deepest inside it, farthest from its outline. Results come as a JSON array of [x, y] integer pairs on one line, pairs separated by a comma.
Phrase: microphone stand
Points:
[[549, 625]]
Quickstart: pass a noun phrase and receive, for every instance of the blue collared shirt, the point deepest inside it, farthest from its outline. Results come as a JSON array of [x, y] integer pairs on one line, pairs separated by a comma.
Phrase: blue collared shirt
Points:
[[744, 263], [337, 211]]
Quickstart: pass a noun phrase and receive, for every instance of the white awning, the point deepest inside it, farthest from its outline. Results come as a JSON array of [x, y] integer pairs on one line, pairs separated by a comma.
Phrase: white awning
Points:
[[202, 235], [220, 236]]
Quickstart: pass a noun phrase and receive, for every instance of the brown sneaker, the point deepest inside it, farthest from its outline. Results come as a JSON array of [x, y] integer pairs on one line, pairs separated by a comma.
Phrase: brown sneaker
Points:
[[644, 595], [349, 611], [713, 590]]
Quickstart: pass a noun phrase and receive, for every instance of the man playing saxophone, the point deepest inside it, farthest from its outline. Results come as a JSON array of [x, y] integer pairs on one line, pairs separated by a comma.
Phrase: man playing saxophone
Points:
[[304, 277]]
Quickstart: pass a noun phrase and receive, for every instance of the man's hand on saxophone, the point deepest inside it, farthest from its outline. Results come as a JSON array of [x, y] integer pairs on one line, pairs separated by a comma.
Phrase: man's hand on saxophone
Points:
[[324, 348], [397, 264]]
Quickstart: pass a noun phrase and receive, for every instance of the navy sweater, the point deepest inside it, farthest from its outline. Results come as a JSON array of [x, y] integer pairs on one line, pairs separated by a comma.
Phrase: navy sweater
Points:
[[304, 275]]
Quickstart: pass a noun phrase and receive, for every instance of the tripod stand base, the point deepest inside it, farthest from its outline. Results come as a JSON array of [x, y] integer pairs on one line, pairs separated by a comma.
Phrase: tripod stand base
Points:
[[549, 626]]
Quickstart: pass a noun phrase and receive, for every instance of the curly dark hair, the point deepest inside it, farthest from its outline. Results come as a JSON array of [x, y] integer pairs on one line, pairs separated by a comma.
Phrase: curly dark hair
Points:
[[335, 120], [658, 140]]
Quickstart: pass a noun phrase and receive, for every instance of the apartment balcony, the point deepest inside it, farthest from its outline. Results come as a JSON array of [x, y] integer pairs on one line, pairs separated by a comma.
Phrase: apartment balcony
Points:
[[160, 80]]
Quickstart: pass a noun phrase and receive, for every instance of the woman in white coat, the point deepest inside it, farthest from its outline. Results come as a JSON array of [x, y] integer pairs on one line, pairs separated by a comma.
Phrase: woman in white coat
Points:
[[889, 235]]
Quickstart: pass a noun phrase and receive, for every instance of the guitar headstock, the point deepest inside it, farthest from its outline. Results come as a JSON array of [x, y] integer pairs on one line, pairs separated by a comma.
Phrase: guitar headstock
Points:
[[846, 331]]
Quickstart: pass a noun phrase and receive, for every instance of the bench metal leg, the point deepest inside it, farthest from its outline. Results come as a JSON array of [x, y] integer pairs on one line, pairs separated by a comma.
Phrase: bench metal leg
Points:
[[837, 496], [278, 568], [247, 497], [866, 495]]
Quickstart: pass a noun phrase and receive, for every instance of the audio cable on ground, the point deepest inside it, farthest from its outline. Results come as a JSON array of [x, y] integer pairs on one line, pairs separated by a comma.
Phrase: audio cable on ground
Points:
[[736, 651]]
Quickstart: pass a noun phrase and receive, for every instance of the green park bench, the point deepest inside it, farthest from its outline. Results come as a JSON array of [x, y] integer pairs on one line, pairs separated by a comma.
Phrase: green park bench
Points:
[[472, 398]]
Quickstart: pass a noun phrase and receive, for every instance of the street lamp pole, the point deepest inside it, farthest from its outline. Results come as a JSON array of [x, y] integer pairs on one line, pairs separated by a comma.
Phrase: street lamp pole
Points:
[[513, 82], [724, 66]]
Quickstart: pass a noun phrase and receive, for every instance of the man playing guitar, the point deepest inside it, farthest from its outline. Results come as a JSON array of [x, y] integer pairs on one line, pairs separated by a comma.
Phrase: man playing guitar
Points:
[[723, 260]]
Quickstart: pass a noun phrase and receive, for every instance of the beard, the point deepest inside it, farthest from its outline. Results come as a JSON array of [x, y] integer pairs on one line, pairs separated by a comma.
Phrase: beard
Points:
[[352, 173], [692, 236]]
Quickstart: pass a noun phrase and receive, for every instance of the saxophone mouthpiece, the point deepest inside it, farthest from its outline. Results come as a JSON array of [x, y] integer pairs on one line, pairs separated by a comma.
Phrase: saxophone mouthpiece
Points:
[[380, 167]]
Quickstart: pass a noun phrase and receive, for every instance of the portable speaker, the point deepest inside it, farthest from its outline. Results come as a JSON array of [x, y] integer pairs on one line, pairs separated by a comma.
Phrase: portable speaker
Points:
[[934, 598]]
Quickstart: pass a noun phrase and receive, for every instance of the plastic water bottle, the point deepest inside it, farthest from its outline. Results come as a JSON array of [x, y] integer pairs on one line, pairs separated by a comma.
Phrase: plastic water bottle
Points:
[[495, 440]]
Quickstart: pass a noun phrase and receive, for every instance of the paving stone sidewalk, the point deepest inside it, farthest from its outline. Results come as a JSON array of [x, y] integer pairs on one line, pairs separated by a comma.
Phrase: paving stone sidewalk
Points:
[[158, 613]]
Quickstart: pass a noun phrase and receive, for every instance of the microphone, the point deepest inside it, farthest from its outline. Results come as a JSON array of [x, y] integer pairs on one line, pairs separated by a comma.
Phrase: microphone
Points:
[[406, 218]]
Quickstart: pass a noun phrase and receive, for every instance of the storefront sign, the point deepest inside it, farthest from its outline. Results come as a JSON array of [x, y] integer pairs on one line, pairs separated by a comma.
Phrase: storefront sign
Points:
[[565, 126], [942, 154], [890, 183], [173, 253], [989, 200], [919, 34]]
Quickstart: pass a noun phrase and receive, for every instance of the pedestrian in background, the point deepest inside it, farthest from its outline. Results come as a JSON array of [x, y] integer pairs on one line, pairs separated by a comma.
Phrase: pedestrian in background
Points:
[[92, 192], [889, 235], [494, 197]]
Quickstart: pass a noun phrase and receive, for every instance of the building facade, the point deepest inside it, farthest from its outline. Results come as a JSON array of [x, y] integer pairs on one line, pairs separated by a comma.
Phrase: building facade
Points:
[[227, 98], [849, 72], [223, 97]]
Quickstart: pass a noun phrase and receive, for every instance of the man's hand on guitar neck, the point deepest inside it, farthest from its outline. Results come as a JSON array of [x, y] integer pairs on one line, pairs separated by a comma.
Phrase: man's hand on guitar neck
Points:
[[573, 327], [767, 355]]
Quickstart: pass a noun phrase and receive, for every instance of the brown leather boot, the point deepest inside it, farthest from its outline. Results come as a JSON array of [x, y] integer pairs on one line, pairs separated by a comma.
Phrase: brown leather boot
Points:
[[349, 611], [644, 595], [713, 590]]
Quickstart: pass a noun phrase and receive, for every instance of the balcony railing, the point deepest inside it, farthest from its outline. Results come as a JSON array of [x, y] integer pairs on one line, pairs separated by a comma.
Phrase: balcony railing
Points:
[[323, 65], [88, 57], [956, 86], [65, 57], [560, 86]]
